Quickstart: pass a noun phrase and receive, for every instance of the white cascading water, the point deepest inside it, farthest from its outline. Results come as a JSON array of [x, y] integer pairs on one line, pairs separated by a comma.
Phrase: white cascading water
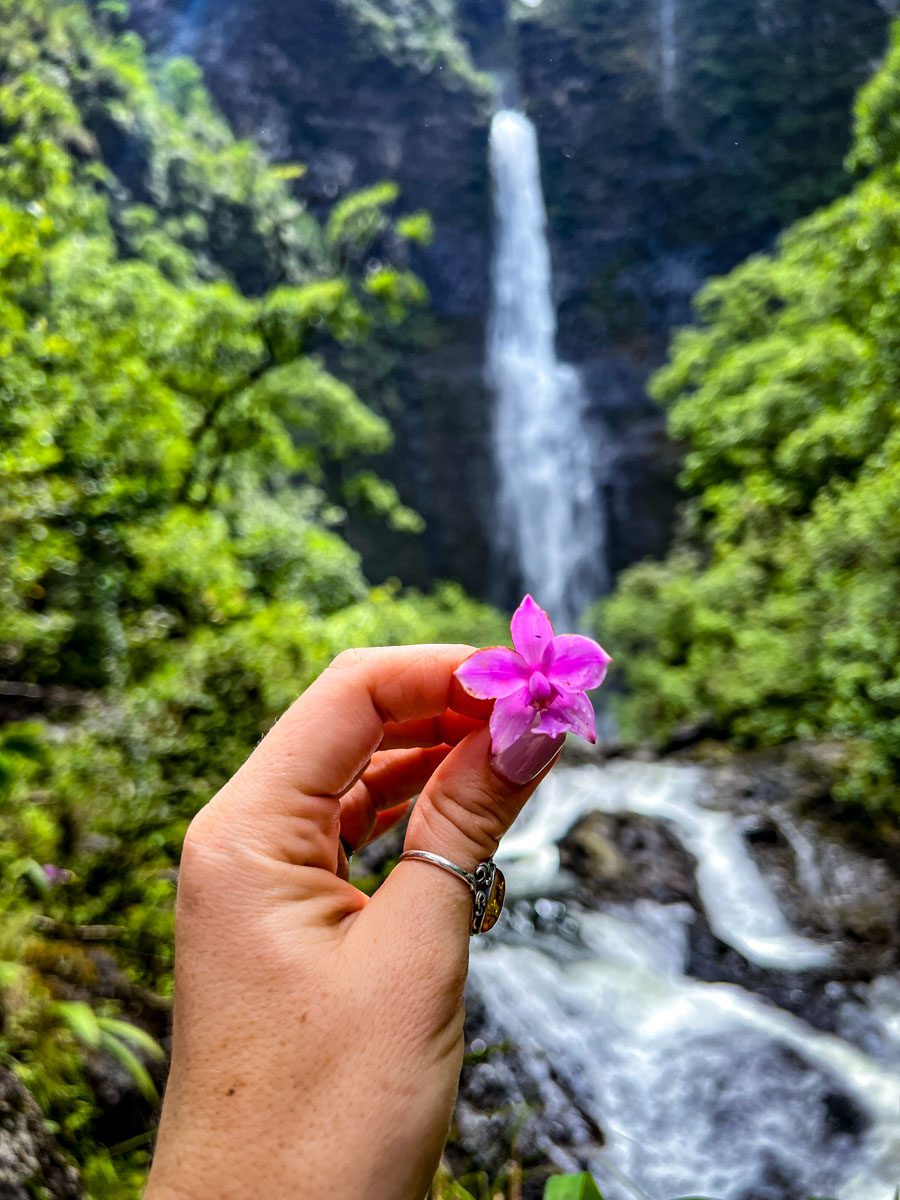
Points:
[[700, 1088], [668, 57], [741, 908], [551, 529]]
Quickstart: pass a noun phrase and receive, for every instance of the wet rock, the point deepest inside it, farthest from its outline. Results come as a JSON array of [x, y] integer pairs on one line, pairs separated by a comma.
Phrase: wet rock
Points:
[[627, 857], [832, 887], [31, 1162], [591, 853], [515, 1110], [831, 882], [624, 858], [813, 995], [843, 1116], [122, 1111]]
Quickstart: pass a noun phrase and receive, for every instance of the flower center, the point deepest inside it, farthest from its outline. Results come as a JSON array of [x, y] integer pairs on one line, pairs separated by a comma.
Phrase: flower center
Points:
[[540, 689]]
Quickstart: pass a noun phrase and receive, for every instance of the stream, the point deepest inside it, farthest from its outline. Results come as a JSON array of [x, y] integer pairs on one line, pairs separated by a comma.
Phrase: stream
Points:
[[699, 1088], [775, 1076]]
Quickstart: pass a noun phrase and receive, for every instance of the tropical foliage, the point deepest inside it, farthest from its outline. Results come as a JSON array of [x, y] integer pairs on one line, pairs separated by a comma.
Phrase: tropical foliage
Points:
[[776, 616], [420, 32], [581, 1186], [178, 446]]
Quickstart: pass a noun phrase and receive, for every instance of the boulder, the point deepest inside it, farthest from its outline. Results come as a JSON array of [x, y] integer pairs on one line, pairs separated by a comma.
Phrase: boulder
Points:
[[31, 1162]]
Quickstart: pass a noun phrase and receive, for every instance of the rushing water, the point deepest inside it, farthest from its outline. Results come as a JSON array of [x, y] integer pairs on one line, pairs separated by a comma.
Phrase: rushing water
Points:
[[550, 523], [668, 57], [701, 1088]]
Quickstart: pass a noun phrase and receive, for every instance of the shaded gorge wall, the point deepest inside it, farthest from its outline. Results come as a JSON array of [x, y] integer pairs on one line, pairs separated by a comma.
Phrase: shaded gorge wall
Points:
[[676, 138]]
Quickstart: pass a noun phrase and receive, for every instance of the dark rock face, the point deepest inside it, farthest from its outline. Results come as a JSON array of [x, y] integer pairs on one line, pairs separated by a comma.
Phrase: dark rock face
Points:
[[515, 1114], [627, 858], [30, 1159], [308, 85], [663, 164], [828, 886], [668, 157]]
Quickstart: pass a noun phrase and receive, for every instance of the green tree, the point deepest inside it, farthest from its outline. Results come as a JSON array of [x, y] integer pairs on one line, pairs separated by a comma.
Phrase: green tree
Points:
[[775, 617], [177, 441]]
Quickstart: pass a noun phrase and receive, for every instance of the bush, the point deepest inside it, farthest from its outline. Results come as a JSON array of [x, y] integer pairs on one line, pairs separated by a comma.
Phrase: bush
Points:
[[775, 617]]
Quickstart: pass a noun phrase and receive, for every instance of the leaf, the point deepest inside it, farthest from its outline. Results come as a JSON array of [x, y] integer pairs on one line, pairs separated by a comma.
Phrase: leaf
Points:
[[125, 1031], [10, 974], [288, 171], [355, 222], [34, 872], [82, 1020], [132, 1064], [572, 1187], [416, 227]]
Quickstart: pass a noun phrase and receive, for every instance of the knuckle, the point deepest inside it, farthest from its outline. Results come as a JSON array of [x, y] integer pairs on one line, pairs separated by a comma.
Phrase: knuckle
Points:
[[477, 813], [353, 656], [195, 839], [200, 835], [203, 862]]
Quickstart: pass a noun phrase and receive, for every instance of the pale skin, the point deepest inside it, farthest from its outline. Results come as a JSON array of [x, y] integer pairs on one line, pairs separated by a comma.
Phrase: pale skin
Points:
[[318, 1034]]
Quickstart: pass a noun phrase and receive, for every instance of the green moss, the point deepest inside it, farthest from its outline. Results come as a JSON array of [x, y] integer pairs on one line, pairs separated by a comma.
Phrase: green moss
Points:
[[424, 33]]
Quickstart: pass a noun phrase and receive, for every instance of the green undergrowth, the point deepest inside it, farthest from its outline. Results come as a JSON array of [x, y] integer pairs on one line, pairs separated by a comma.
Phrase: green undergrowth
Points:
[[580, 1186], [179, 450], [774, 618]]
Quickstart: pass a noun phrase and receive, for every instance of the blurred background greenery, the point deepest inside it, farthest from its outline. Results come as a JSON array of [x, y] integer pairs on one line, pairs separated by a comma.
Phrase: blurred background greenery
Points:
[[206, 445]]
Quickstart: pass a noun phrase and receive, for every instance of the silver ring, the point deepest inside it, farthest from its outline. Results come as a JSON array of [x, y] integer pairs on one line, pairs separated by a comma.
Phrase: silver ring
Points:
[[486, 883]]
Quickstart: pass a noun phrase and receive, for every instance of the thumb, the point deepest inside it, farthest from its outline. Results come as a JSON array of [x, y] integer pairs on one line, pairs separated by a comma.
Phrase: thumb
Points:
[[466, 807], [461, 815]]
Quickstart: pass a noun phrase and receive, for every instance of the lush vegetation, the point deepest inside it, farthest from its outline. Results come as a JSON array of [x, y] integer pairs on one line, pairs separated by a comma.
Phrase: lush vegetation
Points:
[[776, 616], [182, 438], [560, 1187], [177, 453], [423, 33], [761, 98]]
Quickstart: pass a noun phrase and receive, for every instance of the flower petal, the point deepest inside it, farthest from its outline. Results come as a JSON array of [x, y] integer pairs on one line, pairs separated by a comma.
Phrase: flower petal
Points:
[[489, 674], [570, 711], [512, 718], [531, 631], [575, 663]]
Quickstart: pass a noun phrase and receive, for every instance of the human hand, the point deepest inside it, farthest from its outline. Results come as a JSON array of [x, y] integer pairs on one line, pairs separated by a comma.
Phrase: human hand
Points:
[[318, 1033]]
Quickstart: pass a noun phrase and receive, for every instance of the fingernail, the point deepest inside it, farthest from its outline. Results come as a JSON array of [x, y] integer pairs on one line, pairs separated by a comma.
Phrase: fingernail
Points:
[[526, 758]]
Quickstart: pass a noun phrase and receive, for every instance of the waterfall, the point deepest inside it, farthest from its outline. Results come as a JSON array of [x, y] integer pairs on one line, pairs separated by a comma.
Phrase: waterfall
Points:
[[700, 1088], [668, 54], [187, 28], [740, 907], [550, 527]]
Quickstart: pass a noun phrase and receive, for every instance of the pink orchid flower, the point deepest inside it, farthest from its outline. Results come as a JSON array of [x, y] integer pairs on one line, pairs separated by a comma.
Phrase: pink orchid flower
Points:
[[56, 874], [539, 691]]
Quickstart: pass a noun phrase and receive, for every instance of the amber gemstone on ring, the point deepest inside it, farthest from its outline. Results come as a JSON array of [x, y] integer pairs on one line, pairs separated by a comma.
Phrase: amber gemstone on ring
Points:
[[494, 906]]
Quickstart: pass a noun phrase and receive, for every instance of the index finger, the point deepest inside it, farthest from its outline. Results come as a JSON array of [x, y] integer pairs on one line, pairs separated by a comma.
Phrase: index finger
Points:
[[325, 739]]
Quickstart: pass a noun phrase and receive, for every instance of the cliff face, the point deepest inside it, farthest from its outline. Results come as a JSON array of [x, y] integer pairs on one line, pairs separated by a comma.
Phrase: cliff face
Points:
[[312, 82], [677, 136]]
